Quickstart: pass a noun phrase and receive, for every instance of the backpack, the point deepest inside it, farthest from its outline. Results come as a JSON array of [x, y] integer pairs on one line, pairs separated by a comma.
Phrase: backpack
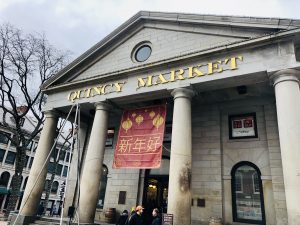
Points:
[[127, 221]]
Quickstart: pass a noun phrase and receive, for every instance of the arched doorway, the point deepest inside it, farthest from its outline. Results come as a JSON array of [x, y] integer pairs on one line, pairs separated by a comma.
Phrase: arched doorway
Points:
[[4, 192], [247, 194]]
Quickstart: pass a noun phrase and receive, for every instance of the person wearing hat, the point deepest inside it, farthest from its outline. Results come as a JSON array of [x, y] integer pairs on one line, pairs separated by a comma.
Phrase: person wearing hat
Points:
[[156, 218], [136, 218]]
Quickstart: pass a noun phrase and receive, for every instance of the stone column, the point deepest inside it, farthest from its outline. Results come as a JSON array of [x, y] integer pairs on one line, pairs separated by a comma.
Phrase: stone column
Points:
[[92, 169], [35, 189], [287, 92], [72, 188], [179, 197]]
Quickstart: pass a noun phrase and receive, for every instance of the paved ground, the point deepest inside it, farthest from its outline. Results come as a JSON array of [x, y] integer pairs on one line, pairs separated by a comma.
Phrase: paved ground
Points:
[[3, 222]]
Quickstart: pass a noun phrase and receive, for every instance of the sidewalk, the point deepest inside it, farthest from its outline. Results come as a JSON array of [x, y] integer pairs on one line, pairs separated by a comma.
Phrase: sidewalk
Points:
[[3, 222]]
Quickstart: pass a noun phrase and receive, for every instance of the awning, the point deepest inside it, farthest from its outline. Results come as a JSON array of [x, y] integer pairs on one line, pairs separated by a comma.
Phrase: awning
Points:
[[3, 191]]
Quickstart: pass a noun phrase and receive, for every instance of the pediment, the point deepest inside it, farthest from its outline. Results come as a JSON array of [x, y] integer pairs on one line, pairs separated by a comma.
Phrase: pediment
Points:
[[169, 38]]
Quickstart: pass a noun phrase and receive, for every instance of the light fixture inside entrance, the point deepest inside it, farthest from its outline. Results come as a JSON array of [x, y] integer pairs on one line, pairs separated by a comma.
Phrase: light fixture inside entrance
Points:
[[152, 186]]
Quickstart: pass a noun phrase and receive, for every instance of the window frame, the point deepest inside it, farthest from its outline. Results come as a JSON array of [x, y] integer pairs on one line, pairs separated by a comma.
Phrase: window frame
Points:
[[240, 116], [15, 155], [2, 133], [234, 207]]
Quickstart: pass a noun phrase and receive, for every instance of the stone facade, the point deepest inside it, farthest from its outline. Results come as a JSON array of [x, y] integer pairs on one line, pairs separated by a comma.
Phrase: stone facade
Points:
[[208, 69]]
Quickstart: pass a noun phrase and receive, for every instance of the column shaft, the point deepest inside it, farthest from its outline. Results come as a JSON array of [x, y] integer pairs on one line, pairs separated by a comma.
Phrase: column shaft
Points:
[[92, 170], [72, 188], [288, 112], [33, 192], [179, 197]]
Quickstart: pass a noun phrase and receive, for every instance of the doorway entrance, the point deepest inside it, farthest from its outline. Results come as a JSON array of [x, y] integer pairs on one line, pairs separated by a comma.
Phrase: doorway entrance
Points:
[[155, 195]]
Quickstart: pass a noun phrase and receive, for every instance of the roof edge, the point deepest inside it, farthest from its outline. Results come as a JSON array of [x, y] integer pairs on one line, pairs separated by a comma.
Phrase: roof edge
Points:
[[237, 21]]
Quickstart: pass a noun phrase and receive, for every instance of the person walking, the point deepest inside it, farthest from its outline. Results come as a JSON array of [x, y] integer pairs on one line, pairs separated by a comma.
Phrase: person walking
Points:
[[123, 218], [156, 218], [136, 218]]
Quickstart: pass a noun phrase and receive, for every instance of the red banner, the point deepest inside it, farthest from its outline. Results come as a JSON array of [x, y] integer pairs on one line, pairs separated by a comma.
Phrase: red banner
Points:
[[140, 138]]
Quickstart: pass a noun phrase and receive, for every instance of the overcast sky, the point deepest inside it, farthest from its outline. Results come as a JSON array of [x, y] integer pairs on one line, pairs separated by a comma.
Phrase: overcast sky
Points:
[[76, 25]]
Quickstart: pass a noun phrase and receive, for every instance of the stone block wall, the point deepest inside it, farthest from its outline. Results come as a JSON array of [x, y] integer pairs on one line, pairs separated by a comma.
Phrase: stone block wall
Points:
[[275, 164], [206, 164]]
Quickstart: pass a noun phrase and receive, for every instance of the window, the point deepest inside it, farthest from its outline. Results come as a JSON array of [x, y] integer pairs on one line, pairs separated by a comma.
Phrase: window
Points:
[[65, 171], [54, 187], [58, 169], [168, 132], [29, 145], [255, 183], [141, 52], [34, 146], [247, 195], [54, 153], [25, 183], [4, 179], [238, 182], [51, 167], [10, 158], [47, 183], [26, 161], [3, 137], [110, 137], [30, 163], [62, 155], [2, 152], [68, 157], [242, 126], [21, 122], [102, 188]]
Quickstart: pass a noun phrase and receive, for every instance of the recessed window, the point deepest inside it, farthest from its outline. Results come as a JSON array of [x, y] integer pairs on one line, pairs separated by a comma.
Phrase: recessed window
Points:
[[10, 158], [2, 152], [142, 52], [3, 137]]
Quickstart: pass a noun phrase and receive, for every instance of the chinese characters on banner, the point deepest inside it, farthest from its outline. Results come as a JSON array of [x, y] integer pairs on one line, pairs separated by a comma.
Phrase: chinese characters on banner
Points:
[[140, 138]]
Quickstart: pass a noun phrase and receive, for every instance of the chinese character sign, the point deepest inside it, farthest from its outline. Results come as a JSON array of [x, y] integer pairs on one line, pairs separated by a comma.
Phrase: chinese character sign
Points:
[[140, 138], [243, 126]]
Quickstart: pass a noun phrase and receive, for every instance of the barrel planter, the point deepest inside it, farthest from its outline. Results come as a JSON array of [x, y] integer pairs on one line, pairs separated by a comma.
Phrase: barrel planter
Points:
[[110, 215]]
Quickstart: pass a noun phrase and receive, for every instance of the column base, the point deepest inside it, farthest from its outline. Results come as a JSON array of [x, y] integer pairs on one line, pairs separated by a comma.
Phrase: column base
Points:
[[22, 220]]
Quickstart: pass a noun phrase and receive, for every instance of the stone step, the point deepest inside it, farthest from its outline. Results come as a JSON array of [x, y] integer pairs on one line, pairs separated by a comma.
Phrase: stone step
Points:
[[50, 221]]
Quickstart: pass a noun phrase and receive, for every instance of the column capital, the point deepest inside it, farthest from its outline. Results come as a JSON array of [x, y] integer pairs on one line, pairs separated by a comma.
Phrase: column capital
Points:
[[285, 75], [102, 106], [51, 113], [182, 93]]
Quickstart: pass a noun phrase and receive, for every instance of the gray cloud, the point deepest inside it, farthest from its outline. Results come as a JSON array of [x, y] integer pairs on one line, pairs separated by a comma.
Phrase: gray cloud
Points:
[[76, 25]]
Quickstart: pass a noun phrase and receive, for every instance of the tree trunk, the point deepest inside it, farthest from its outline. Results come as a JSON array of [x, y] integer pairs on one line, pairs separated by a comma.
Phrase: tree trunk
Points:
[[16, 180]]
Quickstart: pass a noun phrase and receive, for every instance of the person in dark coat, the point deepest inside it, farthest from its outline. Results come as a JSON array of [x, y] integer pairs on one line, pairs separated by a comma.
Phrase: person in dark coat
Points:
[[136, 218], [123, 218], [156, 218]]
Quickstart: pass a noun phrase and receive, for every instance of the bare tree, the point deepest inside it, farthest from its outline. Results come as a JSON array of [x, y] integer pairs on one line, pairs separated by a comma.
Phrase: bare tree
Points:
[[26, 62]]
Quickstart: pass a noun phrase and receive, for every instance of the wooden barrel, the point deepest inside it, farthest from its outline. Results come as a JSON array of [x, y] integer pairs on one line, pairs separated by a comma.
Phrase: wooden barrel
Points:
[[110, 215], [215, 221]]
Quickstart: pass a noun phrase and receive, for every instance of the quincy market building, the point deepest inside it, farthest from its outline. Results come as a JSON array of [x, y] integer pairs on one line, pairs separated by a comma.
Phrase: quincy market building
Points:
[[232, 142]]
